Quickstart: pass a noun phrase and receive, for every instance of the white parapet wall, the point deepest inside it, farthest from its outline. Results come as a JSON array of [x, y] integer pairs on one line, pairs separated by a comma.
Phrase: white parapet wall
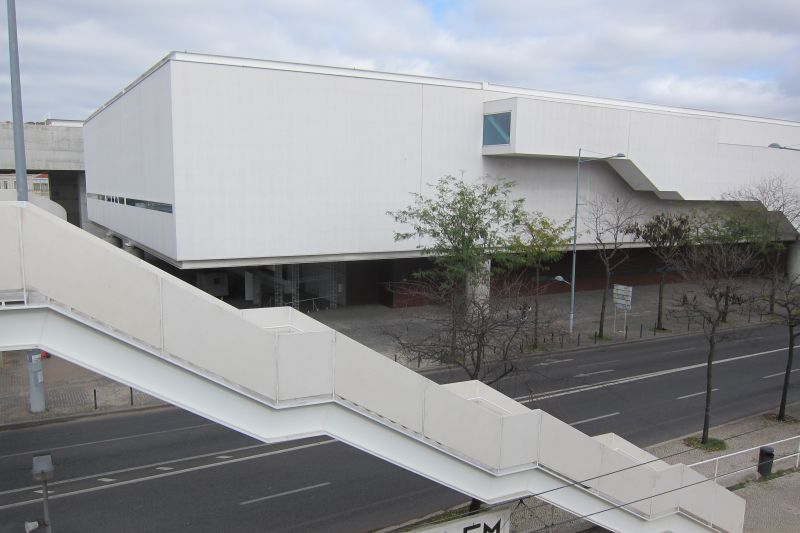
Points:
[[276, 374]]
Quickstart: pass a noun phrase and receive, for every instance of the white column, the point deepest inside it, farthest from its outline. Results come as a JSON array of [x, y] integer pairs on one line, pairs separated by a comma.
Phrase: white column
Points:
[[35, 381]]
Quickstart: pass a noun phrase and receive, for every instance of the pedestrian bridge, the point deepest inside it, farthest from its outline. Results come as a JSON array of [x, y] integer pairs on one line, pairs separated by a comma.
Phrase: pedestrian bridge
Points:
[[276, 375]]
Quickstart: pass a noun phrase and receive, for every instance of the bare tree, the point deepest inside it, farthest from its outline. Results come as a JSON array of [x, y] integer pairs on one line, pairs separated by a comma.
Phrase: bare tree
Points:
[[481, 335], [608, 220], [788, 299], [715, 264], [667, 234], [541, 242], [782, 203]]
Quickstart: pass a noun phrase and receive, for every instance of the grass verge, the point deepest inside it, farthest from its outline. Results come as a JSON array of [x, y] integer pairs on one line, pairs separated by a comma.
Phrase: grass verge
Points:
[[713, 445]]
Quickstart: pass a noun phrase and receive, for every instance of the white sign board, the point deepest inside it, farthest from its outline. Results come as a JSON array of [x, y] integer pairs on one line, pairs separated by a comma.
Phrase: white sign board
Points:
[[623, 294], [493, 521]]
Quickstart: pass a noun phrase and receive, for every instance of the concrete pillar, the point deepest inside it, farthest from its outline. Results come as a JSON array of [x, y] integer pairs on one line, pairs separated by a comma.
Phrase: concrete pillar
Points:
[[793, 261], [110, 238], [35, 381], [294, 284], [132, 249], [249, 285], [278, 285], [479, 283]]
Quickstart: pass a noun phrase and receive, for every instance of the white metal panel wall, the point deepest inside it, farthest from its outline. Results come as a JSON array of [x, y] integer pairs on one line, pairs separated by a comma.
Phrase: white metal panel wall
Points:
[[452, 135], [677, 153], [559, 129], [128, 152], [275, 163], [746, 131]]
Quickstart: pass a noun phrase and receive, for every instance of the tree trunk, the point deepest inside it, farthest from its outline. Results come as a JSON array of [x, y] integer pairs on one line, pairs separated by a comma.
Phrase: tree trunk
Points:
[[712, 344], [536, 312], [659, 323], [773, 283], [724, 315], [785, 393], [600, 330]]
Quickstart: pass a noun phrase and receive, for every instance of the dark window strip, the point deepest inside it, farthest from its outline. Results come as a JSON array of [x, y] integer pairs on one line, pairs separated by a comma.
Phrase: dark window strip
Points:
[[133, 202]]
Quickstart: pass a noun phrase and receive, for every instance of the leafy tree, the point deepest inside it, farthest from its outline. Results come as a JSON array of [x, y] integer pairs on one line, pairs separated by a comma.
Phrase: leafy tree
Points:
[[720, 255], [609, 220], [463, 225], [667, 234], [542, 242], [782, 203]]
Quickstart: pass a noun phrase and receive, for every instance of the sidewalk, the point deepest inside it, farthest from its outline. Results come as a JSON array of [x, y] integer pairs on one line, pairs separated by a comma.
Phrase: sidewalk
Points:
[[772, 506], [374, 325], [69, 391]]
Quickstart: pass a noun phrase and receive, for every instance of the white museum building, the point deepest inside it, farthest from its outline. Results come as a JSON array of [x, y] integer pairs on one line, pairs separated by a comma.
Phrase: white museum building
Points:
[[270, 182]]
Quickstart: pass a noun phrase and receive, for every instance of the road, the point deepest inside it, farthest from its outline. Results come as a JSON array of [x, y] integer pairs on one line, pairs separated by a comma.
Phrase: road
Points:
[[167, 470]]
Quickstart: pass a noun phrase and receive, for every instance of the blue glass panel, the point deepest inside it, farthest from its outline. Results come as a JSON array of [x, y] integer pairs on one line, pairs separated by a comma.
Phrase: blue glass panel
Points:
[[497, 129]]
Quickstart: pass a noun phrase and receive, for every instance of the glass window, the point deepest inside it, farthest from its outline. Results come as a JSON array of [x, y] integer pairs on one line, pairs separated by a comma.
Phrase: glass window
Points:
[[497, 128]]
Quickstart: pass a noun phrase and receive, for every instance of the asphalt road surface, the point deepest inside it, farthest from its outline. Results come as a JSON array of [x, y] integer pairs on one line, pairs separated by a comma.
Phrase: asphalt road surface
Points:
[[167, 470]]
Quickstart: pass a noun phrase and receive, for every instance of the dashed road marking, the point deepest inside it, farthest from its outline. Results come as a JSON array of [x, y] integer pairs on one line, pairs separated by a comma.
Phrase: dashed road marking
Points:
[[779, 374], [587, 374], [694, 394], [287, 493], [609, 415]]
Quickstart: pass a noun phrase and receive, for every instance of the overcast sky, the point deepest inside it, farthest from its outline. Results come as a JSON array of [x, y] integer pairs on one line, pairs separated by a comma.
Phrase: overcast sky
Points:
[[740, 56]]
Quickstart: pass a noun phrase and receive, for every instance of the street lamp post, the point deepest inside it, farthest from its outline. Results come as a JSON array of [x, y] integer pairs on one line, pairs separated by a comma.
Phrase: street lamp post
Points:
[[575, 232], [781, 147]]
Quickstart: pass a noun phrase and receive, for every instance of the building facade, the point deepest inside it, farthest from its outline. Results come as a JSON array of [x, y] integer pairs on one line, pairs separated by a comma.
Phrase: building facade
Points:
[[274, 179]]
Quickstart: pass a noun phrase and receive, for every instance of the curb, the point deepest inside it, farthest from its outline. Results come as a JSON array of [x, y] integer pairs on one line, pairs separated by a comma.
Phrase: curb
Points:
[[579, 349], [78, 416], [737, 421]]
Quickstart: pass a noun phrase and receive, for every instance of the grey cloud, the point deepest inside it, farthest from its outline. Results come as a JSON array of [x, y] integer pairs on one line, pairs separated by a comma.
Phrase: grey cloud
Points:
[[737, 55]]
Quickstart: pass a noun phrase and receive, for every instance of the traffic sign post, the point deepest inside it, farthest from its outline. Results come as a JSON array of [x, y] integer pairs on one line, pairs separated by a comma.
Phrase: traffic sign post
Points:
[[622, 296]]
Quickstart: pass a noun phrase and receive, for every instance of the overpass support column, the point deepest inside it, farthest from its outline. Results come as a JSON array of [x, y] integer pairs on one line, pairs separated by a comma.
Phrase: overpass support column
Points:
[[35, 381]]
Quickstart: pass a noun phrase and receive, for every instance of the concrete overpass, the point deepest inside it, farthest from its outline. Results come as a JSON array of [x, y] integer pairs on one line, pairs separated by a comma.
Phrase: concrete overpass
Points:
[[276, 375], [55, 147]]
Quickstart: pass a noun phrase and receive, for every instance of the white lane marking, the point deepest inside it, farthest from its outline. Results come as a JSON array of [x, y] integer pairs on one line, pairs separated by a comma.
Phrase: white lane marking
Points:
[[593, 419], [779, 374], [116, 439], [143, 467], [546, 363], [287, 493], [223, 457], [163, 474], [681, 350], [620, 381], [164, 468], [106, 479], [694, 394], [587, 374], [49, 491]]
